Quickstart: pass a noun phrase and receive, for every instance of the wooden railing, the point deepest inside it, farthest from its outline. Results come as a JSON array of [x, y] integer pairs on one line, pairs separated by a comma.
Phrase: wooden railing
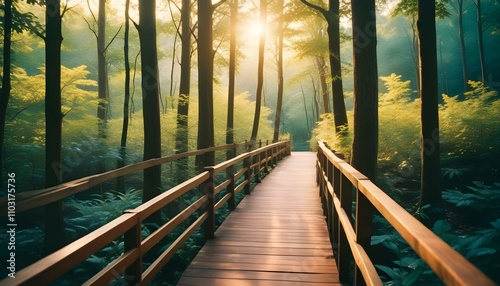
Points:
[[36, 198], [129, 264], [337, 180]]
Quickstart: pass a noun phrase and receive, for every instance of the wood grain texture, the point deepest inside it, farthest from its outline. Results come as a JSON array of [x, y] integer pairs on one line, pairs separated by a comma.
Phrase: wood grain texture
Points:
[[276, 236]]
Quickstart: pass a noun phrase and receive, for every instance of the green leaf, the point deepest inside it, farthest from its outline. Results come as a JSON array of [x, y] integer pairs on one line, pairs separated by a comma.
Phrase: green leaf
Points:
[[389, 271], [479, 252]]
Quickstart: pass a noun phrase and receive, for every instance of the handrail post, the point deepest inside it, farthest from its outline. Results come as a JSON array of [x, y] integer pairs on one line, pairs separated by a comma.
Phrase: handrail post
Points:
[[364, 225], [208, 189], [132, 239], [230, 188], [248, 174], [344, 253]]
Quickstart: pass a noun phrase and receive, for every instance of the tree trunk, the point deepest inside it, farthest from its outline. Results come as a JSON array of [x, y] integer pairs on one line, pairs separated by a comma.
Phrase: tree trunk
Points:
[[339, 109], [232, 74], [260, 70], [280, 75], [205, 83], [150, 97], [54, 225], [480, 41], [365, 142], [5, 92], [305, 110], [102, 82], [431, 175], [315, 100], [120, 183], [320, 64], [462, 44], [181, 135]]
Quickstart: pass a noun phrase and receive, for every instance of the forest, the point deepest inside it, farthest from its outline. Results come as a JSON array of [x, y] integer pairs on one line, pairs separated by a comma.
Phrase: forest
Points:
[[410, 100]]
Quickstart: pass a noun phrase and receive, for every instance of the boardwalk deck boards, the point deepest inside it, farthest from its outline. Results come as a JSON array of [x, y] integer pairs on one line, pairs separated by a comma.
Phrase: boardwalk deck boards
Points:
[[276, 236]]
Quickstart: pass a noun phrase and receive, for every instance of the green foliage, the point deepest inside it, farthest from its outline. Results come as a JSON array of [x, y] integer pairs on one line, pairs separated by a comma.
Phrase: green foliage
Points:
[[88, 215], [478, 198], [470, 126], [325, 131]]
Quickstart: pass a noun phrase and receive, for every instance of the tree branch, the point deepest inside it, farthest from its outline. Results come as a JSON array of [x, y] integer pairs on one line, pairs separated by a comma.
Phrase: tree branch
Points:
[[113, 39], [315, 7]]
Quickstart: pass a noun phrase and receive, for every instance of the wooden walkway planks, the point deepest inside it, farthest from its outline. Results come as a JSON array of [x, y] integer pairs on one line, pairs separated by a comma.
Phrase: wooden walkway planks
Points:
[[276, 236]]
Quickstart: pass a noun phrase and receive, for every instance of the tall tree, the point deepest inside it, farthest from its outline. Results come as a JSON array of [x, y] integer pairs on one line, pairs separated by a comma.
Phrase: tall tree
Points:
[[205, 81], [102, 69], [461, 34], [120, 185], [232, 76], [13, 20], [279, 62], [181, 135], [260, 69], [54, 226], [102, 82], [150, 97], [5, 92], [480, 40], [321, 65], [431, 175], [332, 17], [365, 141], [409, 9]]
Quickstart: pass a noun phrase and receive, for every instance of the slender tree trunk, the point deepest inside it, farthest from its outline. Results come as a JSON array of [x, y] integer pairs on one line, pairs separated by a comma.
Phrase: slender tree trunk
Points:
[[280, 75], [120, 184], [431, 175], [414, 51], [320, 64], [480, 41], [316, 103], [205, 83], [5, 92], [54, 225], [365, 142], [339, 109], [260, 70], [305, 110], [102, 82], [462, 44], [150, 98], [232, 75], [181, 135]]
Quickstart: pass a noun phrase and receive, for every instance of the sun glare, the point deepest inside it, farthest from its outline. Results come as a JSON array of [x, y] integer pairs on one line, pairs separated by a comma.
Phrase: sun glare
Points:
[[255, 28]]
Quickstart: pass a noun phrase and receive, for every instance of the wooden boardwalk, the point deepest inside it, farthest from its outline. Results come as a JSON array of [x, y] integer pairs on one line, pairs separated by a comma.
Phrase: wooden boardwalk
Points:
[[276, 236]]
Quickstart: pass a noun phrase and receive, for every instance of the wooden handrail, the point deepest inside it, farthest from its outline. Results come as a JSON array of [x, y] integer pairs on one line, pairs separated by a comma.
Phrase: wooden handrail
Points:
[[53, 266], [451, 267], [36, 198]]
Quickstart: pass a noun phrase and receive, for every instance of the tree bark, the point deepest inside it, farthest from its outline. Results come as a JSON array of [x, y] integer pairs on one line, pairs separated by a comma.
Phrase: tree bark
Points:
[[431, 175], [54, 225], [150, 97], [232, 75], [205, 83], [181, 135], [279, 103], [480, 41], [120, 183], [320, 64], [465, 73], [339, 109], [260, 70], [102, 82], [365, 142], [6, 85]]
